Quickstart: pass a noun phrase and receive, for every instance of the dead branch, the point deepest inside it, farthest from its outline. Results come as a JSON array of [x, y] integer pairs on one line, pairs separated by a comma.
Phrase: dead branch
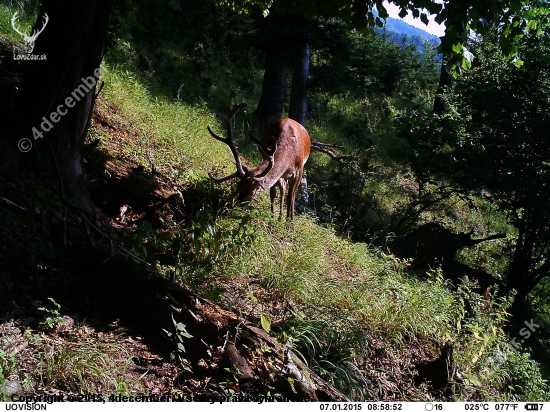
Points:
[[342, 160], [316, 142]]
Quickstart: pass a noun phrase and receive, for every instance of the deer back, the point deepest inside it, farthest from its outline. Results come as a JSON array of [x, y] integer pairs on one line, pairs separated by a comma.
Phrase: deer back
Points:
[[293, 147]]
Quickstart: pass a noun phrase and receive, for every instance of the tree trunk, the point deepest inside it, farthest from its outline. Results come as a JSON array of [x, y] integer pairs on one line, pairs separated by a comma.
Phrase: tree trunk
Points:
[[56, 95], [274, 87], [445, 80], [519, 276], [275, 36], [298, 95]]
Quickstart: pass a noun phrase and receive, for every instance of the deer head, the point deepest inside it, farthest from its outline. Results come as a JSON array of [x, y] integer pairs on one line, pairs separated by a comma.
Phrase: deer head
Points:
[[285, 148], [29, 40]]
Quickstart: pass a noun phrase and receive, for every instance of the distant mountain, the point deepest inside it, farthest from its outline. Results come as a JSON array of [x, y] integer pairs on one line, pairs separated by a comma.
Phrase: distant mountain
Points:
[[398, 29]]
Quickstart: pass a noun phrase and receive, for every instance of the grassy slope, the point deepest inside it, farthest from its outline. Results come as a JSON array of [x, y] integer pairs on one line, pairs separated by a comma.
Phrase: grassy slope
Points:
[[350, 310], [333, 300]]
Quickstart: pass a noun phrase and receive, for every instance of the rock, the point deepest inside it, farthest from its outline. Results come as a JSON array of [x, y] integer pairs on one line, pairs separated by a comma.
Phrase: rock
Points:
[[11, 388]]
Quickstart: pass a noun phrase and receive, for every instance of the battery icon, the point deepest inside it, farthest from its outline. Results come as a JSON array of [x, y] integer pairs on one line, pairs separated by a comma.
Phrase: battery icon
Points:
[[531, 406]]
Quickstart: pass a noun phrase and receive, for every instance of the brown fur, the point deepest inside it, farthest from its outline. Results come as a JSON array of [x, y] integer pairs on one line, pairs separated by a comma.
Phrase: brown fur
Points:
[[293, 148], [285, 148]]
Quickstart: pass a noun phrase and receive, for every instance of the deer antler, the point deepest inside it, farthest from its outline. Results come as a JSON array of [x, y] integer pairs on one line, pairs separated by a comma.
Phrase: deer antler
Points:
[[267, 153], [15, 28], [37, 32], [229, 141], [242, 170]]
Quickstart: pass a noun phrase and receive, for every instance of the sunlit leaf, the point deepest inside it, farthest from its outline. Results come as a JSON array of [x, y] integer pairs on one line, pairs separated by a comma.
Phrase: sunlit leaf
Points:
[[266, 322]]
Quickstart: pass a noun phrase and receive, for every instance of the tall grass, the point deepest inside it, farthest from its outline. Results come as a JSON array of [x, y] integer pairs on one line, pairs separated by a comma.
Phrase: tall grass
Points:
[[331, 298], [170, 134], [81, 364]]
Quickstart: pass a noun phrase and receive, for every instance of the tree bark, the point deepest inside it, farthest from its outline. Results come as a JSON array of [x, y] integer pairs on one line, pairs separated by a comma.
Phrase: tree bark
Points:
[[445, 80], [274, 87], [276, 33], [72, 42], [298, 95]]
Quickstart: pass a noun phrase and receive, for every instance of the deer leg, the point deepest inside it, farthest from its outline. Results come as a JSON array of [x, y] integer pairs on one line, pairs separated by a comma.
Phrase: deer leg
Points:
[[290, 199], [292, 193], [282, 186], [273, 195]]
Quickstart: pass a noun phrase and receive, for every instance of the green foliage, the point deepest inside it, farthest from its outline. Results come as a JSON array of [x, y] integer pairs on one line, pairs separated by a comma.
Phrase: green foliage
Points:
[[186, 40], [332, 351], [370, 64], [265, 322], [27, 11], [178, 338], [52, 314], [481, 340], [343, 293], [346, 295], [526, 383], [210, 241], [492, 142], [396, 68], [358, 84], [8, 365], [517, 17]]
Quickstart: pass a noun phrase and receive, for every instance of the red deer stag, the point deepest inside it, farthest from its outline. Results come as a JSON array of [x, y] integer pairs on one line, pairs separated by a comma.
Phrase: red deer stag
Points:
[[290, 146]]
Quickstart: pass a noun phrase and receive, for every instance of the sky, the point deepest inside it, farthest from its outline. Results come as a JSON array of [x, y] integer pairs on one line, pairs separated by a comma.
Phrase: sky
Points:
[[432, 27]]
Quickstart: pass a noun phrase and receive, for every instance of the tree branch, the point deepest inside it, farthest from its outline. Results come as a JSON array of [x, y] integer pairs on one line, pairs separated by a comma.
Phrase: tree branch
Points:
[[341, 159]]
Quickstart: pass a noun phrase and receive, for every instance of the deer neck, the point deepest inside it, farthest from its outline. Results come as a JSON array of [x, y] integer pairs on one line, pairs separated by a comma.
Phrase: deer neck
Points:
[[252, 189], [271, 178]]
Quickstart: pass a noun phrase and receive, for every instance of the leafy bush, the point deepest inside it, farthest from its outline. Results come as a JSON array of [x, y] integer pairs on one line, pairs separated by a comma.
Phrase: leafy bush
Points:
[[525, 382]]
